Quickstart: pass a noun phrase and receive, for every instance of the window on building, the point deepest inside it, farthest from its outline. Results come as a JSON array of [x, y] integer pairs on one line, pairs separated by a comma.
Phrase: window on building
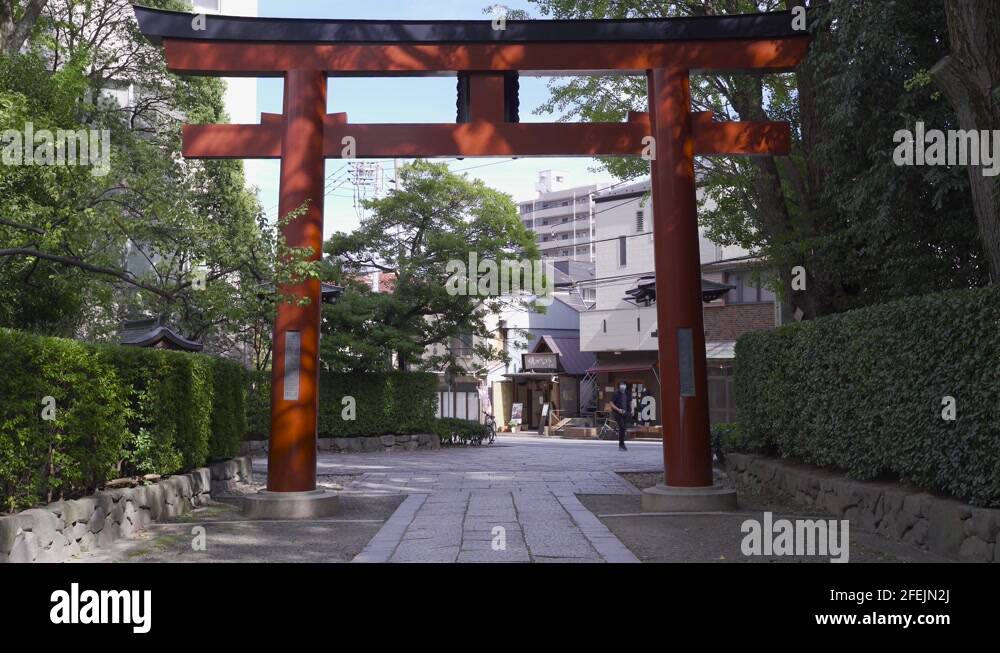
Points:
[[565, 236], [640, 222], [461, 345], [622, 254], [747, 291], [544, 222]]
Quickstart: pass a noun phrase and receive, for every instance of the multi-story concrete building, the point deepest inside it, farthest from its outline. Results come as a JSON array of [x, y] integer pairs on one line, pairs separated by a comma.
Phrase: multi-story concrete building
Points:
[[621, 328], [561, 217]]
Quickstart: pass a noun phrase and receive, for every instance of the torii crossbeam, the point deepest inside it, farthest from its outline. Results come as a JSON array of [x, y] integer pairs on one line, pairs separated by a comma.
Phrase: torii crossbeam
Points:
[[487, 62]]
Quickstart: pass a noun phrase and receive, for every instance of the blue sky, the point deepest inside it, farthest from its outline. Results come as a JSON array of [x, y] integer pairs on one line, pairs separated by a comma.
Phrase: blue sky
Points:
[[401, 99]]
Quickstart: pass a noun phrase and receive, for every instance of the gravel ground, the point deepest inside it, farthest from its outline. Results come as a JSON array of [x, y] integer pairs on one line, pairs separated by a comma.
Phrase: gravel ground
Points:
[[229, 537], [642, 480], [717, 537]]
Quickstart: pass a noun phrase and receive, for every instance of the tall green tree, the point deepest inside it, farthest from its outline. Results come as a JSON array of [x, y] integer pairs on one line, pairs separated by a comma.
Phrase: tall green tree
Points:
[[886, 231], [970, 78], [432, 217], [865, 230], [158, 234]]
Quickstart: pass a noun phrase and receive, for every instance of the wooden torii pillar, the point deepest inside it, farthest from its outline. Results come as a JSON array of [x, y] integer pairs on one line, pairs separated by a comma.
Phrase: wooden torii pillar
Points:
[[306, 52]]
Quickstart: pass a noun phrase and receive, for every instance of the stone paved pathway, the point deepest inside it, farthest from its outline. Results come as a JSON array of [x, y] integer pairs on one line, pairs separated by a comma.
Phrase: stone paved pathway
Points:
[[463, 502]]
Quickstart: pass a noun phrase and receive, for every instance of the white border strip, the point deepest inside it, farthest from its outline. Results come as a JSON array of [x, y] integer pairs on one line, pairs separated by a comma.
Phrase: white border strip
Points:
[[382, 546], [608, 546]]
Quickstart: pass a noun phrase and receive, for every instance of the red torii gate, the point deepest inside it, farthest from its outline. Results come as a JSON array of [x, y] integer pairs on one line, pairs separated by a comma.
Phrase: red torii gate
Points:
[[487, 62]]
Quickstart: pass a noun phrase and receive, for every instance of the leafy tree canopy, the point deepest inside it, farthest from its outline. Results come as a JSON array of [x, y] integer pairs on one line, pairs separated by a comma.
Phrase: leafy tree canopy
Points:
[[431, 218], [79, 251], [865, 230]]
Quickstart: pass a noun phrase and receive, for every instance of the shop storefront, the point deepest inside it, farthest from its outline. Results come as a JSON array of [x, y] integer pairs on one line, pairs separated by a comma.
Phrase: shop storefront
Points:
[[547, 388], [642, 381]]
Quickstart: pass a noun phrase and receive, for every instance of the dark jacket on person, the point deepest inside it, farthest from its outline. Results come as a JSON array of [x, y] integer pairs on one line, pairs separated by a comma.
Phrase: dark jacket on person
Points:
[[620, 399]]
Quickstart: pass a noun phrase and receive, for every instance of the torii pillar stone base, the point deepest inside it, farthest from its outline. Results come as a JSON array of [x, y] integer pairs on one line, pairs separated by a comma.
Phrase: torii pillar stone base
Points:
[[665, 498], [291, 505]]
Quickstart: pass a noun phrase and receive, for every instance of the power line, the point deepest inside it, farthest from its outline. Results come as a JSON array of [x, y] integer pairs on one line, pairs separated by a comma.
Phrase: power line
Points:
[[329, 186], [484, 165], [617, 277]]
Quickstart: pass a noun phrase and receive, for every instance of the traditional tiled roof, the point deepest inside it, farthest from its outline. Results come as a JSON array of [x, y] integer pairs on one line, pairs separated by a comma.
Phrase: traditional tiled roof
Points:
[[149, 332]]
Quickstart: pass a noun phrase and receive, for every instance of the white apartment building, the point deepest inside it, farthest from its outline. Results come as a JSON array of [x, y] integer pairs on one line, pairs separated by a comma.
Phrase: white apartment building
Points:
[[623, 256], [561, 217]]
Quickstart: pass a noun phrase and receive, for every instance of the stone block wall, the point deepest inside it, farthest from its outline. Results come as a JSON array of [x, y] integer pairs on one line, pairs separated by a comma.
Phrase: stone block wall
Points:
[[946, 527], [384, 443], [64, 529]]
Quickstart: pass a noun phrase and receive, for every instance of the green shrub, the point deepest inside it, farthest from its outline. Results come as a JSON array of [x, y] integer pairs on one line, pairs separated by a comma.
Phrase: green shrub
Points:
[[452, 430], [152, 445], [44, 459], [258, 405], [119, 411], [384, 403], [862, 392], [727, 437], [229, 409]]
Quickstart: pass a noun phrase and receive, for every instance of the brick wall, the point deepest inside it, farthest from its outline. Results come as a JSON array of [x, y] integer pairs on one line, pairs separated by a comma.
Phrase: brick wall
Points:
[[732, 321]]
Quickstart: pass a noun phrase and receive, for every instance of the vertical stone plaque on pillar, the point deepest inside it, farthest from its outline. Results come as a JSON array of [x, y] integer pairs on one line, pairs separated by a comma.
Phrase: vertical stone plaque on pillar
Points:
[[292, 365], [685, 362]]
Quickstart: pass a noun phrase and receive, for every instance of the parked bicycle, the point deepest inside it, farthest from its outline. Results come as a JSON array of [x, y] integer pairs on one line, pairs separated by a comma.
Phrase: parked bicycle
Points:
[[469, 432], [491, 427]]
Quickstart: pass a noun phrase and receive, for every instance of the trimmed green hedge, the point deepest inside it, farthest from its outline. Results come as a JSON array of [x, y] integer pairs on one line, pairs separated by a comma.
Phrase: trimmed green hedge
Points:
[[229, 409], [118, 411], [453, 430], [384, 403], [862, 392]]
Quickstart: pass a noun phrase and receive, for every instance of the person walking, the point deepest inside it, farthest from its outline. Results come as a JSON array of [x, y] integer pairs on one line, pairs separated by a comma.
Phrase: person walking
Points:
[[620, 404]]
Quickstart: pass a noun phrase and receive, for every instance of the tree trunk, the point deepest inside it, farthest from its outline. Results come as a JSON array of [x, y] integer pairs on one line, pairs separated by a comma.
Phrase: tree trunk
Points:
[[969, 77], [14, 31]]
